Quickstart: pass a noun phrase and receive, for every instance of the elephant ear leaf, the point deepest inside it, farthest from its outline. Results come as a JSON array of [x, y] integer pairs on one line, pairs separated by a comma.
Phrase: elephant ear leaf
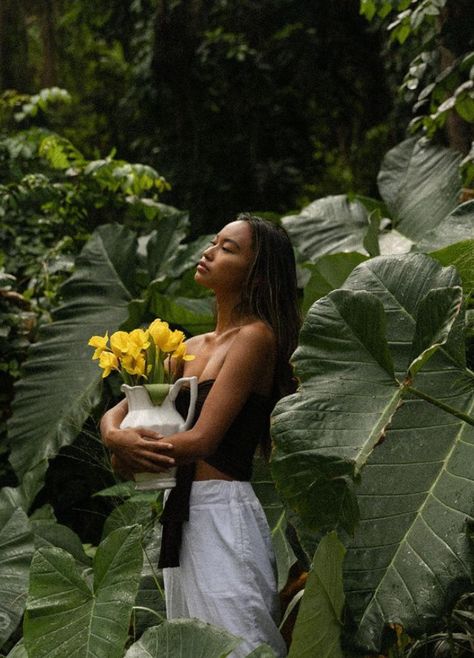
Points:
[[184, 637], [325, 431], [318, 625], [437, 313], [420, 183], [67, 616], [60, 381], [410, 464], [16, 551], [328, 226]]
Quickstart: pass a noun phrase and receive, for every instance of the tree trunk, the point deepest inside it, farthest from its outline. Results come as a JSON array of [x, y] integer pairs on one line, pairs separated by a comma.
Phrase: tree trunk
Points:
[[14, 69], [48, 37]]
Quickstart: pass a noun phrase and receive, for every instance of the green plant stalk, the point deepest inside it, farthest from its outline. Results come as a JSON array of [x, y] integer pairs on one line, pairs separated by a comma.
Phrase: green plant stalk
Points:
[[158, 370], [154, 574], [441, 405]]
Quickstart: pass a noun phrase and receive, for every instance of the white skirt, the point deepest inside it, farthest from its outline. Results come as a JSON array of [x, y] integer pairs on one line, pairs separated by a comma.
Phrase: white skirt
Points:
[[227, 574]]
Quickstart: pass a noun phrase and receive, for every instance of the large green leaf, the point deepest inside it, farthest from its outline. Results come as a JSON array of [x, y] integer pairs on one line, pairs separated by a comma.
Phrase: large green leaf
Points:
[[181, 638], [339, 224], [60, 381], [18, 651], [456, 227], [194, 315], [17, 544], [318, 626], [65, 616], [264, 487], [328, 273], [320, 446], [50, 533], [165, 242], [142, 508], [411, 463], [328, 226], [461, 255], [420, 183], [436, 314], [16, 551]]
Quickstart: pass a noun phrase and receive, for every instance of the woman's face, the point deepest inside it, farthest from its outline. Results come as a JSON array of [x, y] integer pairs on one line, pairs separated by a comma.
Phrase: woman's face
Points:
[[227, 260]]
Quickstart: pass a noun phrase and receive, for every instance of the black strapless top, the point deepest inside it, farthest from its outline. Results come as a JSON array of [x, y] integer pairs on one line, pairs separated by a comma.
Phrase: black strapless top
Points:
[[233, 456]]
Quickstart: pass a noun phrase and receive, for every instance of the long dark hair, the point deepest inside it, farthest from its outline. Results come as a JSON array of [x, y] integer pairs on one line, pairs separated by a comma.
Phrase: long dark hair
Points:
[[270, 293]]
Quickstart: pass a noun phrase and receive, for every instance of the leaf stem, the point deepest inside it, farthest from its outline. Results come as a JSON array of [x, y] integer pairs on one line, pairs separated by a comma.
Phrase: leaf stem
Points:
[[437, 403]]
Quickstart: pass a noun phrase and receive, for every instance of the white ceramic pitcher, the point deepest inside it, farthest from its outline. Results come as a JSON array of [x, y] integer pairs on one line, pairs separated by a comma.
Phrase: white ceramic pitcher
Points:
[[163, 418]]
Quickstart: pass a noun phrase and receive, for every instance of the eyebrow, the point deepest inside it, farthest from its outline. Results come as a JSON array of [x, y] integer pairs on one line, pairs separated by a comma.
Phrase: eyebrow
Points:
[[234, 242]]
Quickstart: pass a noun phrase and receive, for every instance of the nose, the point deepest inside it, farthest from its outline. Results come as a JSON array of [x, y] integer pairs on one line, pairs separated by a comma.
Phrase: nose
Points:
[[207, 253]]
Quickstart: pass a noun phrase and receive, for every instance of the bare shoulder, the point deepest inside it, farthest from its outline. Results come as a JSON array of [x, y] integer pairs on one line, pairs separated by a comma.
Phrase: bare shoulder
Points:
[[195, 342], [257, 333]]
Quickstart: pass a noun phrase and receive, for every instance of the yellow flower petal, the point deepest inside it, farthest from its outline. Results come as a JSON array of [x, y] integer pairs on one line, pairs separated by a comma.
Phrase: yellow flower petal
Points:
[[108, 361], [119, 343], [100, 343], [134, 365], [175, 339], [139, 338], [160, 332], [181, 353]]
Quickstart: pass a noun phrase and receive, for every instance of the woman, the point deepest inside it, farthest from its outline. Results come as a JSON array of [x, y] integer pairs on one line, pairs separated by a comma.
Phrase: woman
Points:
[[213, 525]]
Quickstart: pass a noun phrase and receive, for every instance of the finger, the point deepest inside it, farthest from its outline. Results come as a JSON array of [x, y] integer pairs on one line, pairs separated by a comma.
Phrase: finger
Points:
[[161, 460], [147, 433], [161, 445], [156, 446]]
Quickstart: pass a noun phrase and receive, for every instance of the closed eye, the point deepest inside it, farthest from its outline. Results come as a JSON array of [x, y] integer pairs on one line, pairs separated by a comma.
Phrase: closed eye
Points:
[[214, 243]]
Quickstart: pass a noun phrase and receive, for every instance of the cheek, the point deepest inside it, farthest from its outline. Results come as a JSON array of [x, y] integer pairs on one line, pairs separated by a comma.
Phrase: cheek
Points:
[[239, 273]]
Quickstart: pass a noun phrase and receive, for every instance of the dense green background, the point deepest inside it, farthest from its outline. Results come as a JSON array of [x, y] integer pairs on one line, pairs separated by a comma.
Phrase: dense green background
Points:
[[239, 104], [129, 131]]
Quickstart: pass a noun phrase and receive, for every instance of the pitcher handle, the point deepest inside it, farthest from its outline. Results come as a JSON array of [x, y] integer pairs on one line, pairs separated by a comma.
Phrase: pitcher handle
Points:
[[193, 384]]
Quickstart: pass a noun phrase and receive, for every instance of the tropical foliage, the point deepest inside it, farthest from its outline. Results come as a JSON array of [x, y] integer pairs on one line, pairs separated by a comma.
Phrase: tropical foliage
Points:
[[373, 457], [439, 82], [388, 344]]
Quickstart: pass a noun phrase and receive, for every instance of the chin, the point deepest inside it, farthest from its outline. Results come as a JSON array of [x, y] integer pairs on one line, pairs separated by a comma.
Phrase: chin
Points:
[[199, 279]]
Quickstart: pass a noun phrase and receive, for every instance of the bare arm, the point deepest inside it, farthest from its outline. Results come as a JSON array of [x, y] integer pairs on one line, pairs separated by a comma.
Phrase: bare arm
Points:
[[132, 448], [248, 367]]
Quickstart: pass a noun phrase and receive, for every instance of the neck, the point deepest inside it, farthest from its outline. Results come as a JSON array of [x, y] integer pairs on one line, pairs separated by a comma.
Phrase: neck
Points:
[[226, 318]]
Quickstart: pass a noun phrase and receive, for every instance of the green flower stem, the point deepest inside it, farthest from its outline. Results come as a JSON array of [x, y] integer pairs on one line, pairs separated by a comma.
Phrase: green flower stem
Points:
[[445, 407], [158, 371]]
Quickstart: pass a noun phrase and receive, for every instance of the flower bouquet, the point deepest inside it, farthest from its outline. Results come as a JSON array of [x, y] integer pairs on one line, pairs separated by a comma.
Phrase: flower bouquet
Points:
[[145, 360]]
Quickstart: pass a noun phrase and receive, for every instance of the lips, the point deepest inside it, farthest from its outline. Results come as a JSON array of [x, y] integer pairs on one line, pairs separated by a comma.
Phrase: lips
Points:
[[202, 267]]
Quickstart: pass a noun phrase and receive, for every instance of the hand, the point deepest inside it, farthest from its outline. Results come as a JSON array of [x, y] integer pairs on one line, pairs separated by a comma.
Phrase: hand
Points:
[[139, 449]]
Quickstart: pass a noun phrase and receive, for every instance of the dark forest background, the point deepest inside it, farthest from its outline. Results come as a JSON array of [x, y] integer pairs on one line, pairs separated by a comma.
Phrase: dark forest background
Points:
[[240, 105]]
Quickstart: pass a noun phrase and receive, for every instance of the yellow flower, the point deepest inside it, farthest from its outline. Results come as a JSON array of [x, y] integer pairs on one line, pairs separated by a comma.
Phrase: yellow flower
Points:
[[108, 362], [160, 332], [134, 365], [175, 339], [138, 340], [100, 343], [120, 343], [180, 353]]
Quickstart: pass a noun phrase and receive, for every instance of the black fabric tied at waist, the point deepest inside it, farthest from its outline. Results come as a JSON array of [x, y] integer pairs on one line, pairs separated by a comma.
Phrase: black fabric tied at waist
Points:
[[175, 513], [233, 457]]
